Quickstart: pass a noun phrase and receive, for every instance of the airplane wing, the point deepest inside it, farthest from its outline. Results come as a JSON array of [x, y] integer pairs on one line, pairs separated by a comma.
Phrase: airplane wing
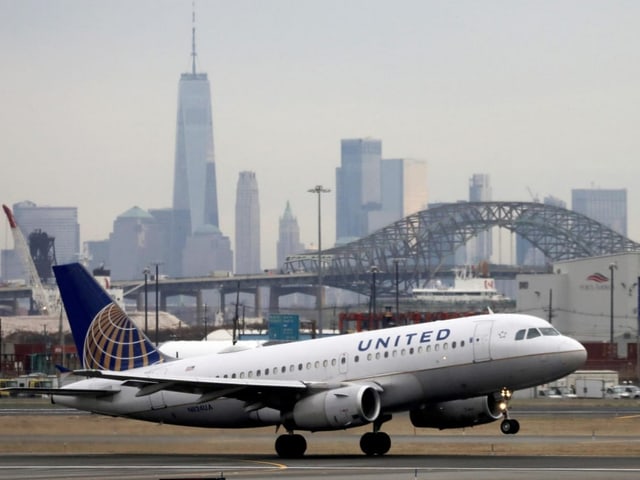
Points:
[[269, 392], [69, 392]]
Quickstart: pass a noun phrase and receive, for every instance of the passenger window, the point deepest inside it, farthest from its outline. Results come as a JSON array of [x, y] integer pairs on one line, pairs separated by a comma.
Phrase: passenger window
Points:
[[533, 333], [520, 334], [453, 344]]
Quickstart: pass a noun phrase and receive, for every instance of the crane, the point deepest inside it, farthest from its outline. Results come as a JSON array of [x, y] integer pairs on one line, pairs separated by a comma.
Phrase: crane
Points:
[[40, 296]]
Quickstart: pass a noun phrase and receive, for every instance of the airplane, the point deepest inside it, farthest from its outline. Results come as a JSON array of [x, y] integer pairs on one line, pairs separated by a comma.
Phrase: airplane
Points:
[[447, 374]]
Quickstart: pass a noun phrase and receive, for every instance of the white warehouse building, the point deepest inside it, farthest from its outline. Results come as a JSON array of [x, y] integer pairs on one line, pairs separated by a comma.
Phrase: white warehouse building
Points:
[[584, 295]]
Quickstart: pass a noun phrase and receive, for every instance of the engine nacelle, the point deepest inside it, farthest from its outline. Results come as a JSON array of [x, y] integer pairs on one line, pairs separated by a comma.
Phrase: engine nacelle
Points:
[[457, 413], [343, 407]]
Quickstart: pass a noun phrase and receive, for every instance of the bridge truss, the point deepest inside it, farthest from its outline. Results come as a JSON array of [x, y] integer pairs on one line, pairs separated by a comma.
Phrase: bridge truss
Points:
[[415, 248]]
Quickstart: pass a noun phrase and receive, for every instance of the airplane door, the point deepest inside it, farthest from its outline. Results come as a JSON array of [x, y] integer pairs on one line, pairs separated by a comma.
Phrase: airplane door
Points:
[[344, 362], [481, 341]]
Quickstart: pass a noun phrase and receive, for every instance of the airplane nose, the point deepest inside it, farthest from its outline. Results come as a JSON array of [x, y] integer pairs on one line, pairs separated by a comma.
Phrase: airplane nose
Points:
[[576, 354]]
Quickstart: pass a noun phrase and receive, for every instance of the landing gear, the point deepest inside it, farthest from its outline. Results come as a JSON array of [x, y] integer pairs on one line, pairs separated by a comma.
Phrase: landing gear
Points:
[[508, 426], [376, 442], [291, 445]]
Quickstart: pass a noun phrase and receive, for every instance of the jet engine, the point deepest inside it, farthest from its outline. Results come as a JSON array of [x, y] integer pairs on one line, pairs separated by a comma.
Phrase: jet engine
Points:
[[457, 413], [343, 407]]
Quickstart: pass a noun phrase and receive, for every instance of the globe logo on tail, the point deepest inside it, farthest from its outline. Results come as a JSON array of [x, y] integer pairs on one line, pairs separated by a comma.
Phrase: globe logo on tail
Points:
[[113, 342]]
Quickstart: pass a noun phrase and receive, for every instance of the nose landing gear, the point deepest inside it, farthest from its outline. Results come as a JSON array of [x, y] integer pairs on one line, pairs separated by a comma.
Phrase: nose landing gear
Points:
[[508, 426]]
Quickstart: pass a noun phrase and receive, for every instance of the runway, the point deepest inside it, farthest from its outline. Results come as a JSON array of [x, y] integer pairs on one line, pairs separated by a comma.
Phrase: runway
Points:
[[558, 440], [409, 467]]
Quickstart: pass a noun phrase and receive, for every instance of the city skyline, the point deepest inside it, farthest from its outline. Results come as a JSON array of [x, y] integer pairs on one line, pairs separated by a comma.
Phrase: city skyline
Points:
[[539, 95]]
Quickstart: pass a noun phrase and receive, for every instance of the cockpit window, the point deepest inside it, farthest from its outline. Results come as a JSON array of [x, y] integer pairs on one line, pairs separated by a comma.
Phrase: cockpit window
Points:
[[520, 334], [533, 333], [549, 331]]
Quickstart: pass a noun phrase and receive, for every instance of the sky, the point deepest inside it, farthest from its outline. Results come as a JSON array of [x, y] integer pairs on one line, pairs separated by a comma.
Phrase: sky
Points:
[[544, 96]]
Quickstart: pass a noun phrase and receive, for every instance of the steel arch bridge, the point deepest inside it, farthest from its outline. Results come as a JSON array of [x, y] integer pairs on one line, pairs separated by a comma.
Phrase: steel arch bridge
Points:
[[417, 246]]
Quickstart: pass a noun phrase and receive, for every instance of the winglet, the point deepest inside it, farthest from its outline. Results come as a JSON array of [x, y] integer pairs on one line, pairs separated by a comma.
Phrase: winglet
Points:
[[106, 338]]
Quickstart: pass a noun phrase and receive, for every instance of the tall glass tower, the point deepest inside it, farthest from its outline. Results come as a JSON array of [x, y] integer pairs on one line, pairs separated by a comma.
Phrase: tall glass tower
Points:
[[607, 206], [358, 187], [194, 188], [195, 198]]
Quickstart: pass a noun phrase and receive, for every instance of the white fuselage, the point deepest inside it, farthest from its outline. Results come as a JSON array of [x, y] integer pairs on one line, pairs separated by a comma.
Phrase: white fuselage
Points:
[[411, 365]]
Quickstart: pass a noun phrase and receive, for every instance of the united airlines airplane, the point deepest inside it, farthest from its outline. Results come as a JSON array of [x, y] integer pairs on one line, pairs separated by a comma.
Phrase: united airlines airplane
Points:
[[446, 374]]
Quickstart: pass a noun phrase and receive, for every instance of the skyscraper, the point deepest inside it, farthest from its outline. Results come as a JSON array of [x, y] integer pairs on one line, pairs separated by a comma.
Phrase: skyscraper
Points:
[[288, 236], [195, 198], [60, 223], [194, 188], [607, 206], [358, 187], [403, 191], [247, 224], [480, 248], [36, 223]]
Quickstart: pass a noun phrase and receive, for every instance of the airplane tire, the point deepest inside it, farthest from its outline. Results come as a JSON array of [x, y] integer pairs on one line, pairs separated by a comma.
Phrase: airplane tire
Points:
[[509, 427], [377, 443], [291, 446]]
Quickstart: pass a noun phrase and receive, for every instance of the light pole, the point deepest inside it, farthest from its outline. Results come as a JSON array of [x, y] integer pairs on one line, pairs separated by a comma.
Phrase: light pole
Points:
[[319, 190], [396, 261], [373, 271], [157, 264], [146, 319], [612, 267]]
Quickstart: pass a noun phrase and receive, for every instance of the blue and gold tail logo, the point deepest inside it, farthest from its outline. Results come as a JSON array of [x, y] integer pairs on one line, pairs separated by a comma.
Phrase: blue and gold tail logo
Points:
[[114, 342]]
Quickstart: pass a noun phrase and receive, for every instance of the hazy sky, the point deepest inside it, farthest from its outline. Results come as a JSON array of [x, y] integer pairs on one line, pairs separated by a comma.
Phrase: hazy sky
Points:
[[541, 95]]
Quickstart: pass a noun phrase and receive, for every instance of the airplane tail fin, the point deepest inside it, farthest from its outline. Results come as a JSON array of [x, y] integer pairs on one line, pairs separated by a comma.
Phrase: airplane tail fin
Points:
[[106, 338]]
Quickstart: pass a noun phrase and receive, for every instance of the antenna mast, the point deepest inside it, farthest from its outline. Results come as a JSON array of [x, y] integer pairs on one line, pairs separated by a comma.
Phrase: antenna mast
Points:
[[193, 38]]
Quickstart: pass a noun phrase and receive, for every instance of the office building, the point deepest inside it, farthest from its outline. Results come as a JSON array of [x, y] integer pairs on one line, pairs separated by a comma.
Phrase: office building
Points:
[[195, 198], [607, 206], [403, 191], [526, 253], [358, 187], [480, 248], [134, 244], [58, 223], [288, 236], [247, 224]]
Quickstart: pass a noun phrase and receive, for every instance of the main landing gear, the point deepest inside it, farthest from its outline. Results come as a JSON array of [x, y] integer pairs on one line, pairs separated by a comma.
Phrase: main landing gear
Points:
[[508, 426], [293, 445], [376, 442]]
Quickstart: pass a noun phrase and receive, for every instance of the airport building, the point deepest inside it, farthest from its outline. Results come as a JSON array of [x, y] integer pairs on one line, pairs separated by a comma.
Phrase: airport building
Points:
[[594, 300]]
